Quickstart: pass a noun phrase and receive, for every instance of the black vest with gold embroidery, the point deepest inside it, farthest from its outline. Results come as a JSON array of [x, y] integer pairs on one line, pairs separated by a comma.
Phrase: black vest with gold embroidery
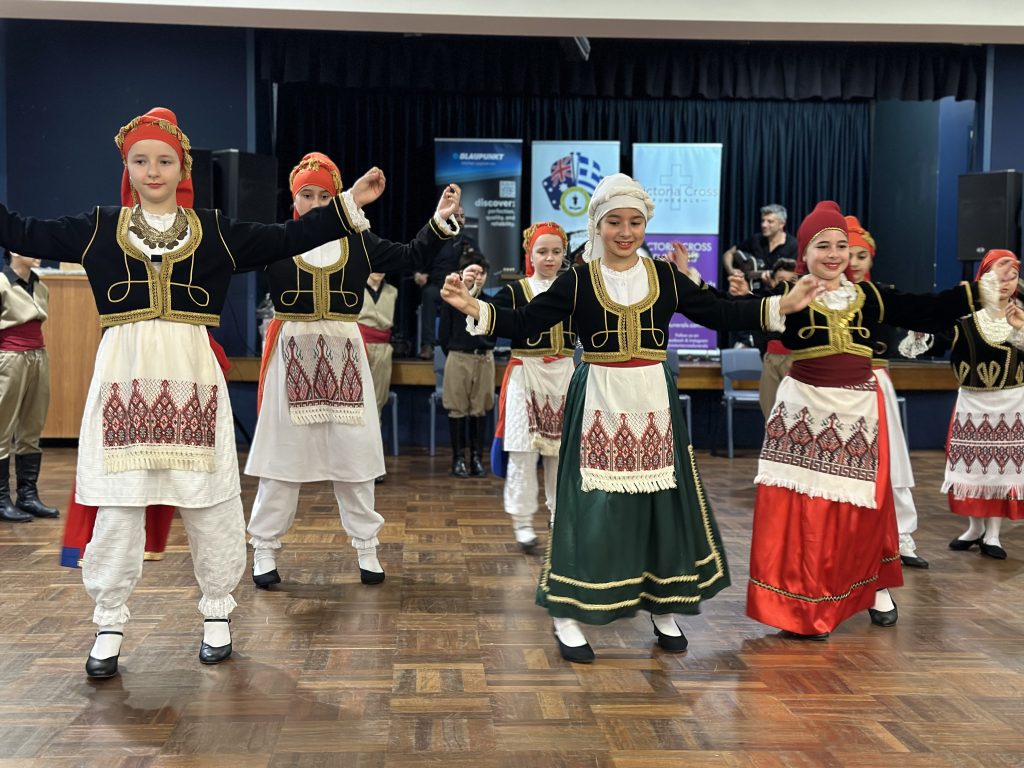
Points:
[[188, 284], [980, 364], [611, 332], [818, 331], [557, 341], [302, 292]]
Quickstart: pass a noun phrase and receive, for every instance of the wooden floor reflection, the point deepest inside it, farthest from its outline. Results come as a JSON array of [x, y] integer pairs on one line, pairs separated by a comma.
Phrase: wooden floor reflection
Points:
[[449, 662]]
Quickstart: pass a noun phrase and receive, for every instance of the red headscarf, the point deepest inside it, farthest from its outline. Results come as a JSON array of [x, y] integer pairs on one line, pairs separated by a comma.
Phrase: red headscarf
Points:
[[532, 232], [992, 257], [825, 216], [859, 238], [160, 124], [315, 169]]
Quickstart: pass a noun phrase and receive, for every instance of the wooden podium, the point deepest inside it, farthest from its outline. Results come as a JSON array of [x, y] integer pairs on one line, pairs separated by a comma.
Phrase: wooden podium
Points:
[[72, 334]]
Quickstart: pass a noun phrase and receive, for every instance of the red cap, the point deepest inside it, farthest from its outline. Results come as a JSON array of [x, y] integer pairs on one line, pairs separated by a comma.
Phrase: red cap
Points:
[[161, 124], [992, 257], [315, 169], [531, 233], [825, 216]]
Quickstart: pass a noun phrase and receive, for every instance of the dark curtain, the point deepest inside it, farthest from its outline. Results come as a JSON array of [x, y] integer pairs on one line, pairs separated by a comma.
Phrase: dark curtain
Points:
[[636, 69], [793, 153]]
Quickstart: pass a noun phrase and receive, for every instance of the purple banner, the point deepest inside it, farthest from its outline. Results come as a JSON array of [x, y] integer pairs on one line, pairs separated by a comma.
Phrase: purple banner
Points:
[[684, 334]]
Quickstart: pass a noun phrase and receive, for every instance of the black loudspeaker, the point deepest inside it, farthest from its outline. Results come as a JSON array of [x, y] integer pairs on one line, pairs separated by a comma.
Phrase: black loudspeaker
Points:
[[988, 213], [245, 185], [202, 178]]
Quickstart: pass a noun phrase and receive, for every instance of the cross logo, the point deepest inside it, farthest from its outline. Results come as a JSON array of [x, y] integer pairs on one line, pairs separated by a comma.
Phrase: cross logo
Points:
[[676, 181]]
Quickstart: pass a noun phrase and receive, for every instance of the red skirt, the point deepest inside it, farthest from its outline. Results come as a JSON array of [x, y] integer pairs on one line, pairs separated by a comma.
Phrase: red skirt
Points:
[[1011, 508], [815, 562]]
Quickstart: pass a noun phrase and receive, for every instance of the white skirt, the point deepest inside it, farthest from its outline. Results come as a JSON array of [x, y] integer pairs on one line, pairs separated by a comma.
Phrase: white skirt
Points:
[[173, 344], [306, 453]]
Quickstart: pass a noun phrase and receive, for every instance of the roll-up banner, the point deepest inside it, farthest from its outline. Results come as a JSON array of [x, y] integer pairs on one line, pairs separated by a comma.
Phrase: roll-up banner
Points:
[[564, 175], [685, 182], [490, 173]]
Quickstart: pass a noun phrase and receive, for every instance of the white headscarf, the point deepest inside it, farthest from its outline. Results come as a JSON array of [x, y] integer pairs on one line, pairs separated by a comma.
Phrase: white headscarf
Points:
[[615, 191]]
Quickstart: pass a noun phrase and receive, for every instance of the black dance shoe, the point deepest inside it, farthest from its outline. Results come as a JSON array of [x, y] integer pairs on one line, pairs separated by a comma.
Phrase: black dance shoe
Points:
[[370, 577], [913, 561], [821, 636], [993, 550], [101, 668], [265, 580], [962, 545], [671, 643], [459, 468], [883, 618], [209, 654], [577, 654]]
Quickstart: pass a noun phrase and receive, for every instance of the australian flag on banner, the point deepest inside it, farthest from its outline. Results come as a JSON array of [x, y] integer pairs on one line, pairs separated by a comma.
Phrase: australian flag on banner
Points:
[[573, 170]]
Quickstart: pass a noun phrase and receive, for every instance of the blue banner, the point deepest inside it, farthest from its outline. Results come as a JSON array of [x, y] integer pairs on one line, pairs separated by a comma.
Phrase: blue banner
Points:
[[685, 182], [490, 173], [564, 175]]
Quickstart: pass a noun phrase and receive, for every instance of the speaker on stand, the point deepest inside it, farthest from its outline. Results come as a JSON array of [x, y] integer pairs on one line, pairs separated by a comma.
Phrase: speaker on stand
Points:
[[988, 215]]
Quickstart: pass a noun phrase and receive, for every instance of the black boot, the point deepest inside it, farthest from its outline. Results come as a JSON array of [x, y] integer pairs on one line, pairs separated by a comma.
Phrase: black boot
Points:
[[457, 429], [476, 435], [27, 468], [8, 511]]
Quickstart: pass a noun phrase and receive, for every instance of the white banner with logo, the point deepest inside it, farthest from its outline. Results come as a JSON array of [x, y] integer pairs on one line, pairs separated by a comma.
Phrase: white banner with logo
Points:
[[685, 181]]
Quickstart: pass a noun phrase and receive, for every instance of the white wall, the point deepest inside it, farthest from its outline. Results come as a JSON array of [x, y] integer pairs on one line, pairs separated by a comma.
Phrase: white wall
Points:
[[984, 21]]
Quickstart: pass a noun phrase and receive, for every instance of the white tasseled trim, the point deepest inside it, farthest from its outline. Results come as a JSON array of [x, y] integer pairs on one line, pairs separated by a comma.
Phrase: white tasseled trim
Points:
[[545, 446], [969, 491], [479, 326], [325, 414], [989, 289], [628, 482], [815, 492], [158, 457]]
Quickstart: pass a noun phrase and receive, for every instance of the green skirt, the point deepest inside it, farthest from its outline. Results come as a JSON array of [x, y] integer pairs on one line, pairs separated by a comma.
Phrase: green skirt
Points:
[[613, 554]]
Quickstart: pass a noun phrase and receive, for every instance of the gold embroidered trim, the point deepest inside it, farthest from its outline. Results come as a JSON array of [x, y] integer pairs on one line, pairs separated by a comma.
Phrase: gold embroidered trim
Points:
[[321, 289], [630, 326], [441, 234], [313, 164], [339, 208], [160, 281], [841, 325], [93, 238], [823, 598], [216, 216], [553, 338]]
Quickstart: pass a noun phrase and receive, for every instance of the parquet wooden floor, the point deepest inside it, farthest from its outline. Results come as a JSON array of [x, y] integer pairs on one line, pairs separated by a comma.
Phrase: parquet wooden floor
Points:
[[449, 663]]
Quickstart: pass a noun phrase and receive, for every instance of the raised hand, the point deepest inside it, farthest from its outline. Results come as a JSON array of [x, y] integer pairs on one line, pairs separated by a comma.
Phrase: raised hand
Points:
[[738, 285], [679, 257], [449, 202], [1015, 315], [804, 291], [455, 293], [369, 187]]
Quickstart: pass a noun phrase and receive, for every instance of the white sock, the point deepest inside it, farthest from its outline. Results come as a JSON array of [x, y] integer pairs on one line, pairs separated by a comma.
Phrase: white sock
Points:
[[107, 645], [907, 546], [569, 632], [992, 526], [883, 601], [974, 531], [263, 561], [216, 634], [368, 560], [666, 624]]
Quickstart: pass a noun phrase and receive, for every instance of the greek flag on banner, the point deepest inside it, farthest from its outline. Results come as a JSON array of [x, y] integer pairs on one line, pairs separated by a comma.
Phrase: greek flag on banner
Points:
[[564, 175], [685, 182]]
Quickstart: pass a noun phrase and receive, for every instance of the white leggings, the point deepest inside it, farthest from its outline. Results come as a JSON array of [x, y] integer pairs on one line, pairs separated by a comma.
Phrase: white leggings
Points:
[[277, 500], [521, 484], [112, 564]]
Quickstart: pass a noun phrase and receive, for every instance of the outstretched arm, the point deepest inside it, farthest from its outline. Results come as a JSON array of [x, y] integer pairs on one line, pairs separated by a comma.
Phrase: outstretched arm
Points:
[[553, 306], [65, 239], [387, 256]]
